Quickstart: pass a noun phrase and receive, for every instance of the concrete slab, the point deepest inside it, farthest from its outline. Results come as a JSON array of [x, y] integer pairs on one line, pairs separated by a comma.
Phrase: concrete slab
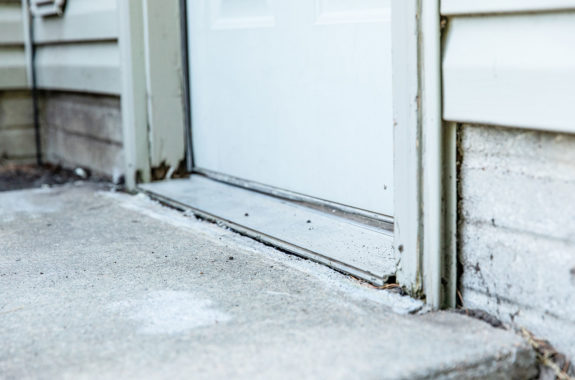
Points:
[[97, 285]]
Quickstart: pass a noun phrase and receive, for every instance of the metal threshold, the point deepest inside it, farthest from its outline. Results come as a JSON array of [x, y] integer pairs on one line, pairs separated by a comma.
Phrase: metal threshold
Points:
[[345, 245]]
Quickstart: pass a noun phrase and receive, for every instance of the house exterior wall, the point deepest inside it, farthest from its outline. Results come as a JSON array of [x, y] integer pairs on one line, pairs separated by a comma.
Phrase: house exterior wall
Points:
[[78, 62], [17, 138], [83, 130], [517, 228], [78, 59], [508, 73], [504, 64], [16, 119], [12, 52], [79, 51], [79, 77]]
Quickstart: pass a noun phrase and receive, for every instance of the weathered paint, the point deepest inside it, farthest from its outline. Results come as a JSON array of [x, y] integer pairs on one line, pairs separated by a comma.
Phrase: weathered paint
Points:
[[164, 81], [407, 133], [517, 228], [134, 112]]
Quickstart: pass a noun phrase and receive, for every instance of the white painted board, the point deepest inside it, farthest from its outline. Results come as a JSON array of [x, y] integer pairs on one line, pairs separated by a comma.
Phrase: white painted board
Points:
[[13, 68], [296, 94], [93, 67], [11, 28], [513, 70], [461, 7], [83, 20]]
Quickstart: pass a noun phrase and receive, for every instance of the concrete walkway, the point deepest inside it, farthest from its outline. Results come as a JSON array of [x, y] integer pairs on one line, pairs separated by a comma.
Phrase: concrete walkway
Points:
[[95, 284]]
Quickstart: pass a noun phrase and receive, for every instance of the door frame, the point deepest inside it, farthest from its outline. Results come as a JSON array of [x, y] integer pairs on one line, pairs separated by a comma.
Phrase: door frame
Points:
[[424, 148], [424, 154]]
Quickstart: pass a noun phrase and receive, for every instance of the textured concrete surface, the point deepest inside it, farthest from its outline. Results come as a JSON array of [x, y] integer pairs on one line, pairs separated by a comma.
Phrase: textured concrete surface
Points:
[[517, 228], [17, 138], [96, 284], [83, 130]]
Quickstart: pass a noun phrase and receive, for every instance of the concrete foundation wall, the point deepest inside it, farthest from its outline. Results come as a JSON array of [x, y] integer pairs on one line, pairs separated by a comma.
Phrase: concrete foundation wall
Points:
[[517, 228], [17, 139], [83, 130]]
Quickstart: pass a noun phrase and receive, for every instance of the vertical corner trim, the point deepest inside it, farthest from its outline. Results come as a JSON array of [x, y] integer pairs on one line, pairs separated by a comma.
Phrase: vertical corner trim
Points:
[[134, 112]]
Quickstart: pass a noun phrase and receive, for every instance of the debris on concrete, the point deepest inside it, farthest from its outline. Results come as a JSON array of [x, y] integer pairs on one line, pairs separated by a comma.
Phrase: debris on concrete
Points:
[[481, 315], [81, 173], [17, 176], [554, 365]]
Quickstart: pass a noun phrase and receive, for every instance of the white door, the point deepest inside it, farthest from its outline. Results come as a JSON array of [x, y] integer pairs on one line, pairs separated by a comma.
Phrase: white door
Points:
[[295, 94]]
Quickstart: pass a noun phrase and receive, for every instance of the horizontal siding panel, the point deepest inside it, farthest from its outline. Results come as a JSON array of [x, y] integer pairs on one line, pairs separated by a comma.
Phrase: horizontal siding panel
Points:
[[461, 7], [83, 20], [513, 70], [13, 68], [93, 67], [11, 29]]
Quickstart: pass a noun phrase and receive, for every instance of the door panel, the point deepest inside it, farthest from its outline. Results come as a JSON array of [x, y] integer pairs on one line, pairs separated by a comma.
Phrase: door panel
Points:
[[295, 94], [231, 14], [352, 11]]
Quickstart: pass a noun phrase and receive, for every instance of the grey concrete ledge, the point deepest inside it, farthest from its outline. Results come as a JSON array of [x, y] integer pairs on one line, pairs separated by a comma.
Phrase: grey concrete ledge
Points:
[[100, 285]]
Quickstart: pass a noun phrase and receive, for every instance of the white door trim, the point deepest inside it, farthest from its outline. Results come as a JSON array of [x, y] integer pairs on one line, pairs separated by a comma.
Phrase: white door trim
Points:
[[407, 149], [133, 96], [423, 204]]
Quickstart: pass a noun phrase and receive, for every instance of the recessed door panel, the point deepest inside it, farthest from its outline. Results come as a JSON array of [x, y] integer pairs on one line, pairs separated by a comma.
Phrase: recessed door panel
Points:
[[230, 14], [295, 94]]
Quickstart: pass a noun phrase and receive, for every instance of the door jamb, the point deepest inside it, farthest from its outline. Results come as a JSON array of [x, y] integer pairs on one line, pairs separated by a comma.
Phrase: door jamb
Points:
[[424, 200]]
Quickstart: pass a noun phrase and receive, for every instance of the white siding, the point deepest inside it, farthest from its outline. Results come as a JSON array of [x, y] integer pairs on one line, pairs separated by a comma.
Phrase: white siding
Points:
[[84, 20], [75, 52], [511, 70], [91, 68], [12, 55], [459, 7], [511, 63], [11, 31], [79, 51]]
